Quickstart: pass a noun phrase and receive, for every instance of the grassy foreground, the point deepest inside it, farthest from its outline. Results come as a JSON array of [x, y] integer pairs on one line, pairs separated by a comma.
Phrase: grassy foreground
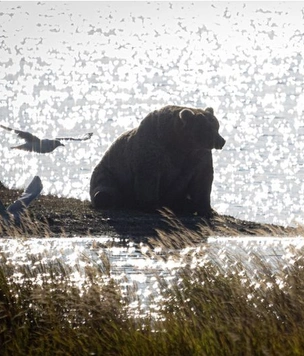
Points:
[[210, 309], [207, 311]]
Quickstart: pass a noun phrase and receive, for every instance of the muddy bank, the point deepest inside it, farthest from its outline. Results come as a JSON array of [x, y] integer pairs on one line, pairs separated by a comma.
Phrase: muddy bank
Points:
[[71, 217]]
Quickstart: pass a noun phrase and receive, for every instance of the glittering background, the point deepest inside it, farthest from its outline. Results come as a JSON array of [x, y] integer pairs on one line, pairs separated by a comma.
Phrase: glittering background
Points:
[[71, 68]]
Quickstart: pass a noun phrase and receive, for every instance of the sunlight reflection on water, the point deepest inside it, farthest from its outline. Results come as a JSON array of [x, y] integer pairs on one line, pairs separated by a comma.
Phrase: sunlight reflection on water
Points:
[[69, 68], [130, 265]]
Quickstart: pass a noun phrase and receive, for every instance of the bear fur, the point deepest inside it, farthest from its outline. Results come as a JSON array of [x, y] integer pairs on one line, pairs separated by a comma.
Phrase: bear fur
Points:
[[165, 162]]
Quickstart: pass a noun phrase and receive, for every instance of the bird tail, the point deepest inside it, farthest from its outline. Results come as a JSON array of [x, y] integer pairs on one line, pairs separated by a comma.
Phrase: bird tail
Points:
[[21, 147]]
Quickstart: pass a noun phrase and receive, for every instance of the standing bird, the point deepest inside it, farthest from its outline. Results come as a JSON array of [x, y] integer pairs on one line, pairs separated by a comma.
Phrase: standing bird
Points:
[[35, 144], [16, 209]]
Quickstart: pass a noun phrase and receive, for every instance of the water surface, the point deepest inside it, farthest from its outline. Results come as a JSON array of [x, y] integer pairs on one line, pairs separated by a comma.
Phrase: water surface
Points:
[[76, 67], [136, 265]]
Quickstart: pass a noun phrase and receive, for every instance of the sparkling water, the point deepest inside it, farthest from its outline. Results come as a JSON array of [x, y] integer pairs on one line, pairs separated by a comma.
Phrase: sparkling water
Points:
[[101, 67]]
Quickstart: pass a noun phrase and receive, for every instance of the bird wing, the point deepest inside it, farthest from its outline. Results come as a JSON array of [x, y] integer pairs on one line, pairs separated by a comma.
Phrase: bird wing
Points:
[[27, 136], [31, 192], [84, 137]]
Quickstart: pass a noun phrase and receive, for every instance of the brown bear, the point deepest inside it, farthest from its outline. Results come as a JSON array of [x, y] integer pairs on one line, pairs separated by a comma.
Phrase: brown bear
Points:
[[165, 162]]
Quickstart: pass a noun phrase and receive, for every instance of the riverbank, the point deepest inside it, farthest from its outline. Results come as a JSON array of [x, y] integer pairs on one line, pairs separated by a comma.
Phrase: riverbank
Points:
[[58, 216]]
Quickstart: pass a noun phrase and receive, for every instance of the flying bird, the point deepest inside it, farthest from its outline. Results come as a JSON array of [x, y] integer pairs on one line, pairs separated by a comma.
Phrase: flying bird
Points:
[[17, 208], [35, 144]]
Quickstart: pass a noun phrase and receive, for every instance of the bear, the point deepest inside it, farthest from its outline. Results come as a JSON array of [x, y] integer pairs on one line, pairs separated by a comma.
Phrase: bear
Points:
[[165, 162]]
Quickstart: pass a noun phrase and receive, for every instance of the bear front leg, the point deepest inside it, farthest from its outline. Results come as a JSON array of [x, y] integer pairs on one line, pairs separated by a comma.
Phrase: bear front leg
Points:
[[200, 189], [150, 167]]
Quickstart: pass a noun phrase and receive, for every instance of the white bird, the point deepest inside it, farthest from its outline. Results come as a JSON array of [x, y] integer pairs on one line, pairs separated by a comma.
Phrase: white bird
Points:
[[35, 144]]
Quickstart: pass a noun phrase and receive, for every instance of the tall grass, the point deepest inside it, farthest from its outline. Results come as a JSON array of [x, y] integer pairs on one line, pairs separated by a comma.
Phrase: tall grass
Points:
[[214, 313], [27, 227], [207, 310]]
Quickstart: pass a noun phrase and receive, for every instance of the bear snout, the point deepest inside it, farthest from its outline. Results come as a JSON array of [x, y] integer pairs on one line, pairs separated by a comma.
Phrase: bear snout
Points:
[[219, 143]]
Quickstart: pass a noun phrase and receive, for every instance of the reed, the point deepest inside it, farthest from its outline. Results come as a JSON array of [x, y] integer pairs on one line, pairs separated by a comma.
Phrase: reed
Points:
[[208, 310], [27, 227]]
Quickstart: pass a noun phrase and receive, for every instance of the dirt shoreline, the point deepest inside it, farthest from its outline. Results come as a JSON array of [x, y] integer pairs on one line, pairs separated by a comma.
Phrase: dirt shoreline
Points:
[[68, 217]]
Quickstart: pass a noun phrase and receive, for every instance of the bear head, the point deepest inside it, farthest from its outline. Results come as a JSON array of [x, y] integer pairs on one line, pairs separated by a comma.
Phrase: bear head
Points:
[[201, 128]]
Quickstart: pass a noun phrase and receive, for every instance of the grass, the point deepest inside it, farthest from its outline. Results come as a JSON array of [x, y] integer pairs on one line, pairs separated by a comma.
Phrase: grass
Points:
[[208, 310], [28, 227]]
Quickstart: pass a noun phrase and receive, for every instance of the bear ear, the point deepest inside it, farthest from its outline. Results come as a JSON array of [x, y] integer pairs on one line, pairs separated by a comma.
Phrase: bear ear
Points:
[[210, 110], [186, 114]]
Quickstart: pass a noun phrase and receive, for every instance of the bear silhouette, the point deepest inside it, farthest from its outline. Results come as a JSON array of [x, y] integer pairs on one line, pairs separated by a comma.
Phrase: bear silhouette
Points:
[[165, 162]]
